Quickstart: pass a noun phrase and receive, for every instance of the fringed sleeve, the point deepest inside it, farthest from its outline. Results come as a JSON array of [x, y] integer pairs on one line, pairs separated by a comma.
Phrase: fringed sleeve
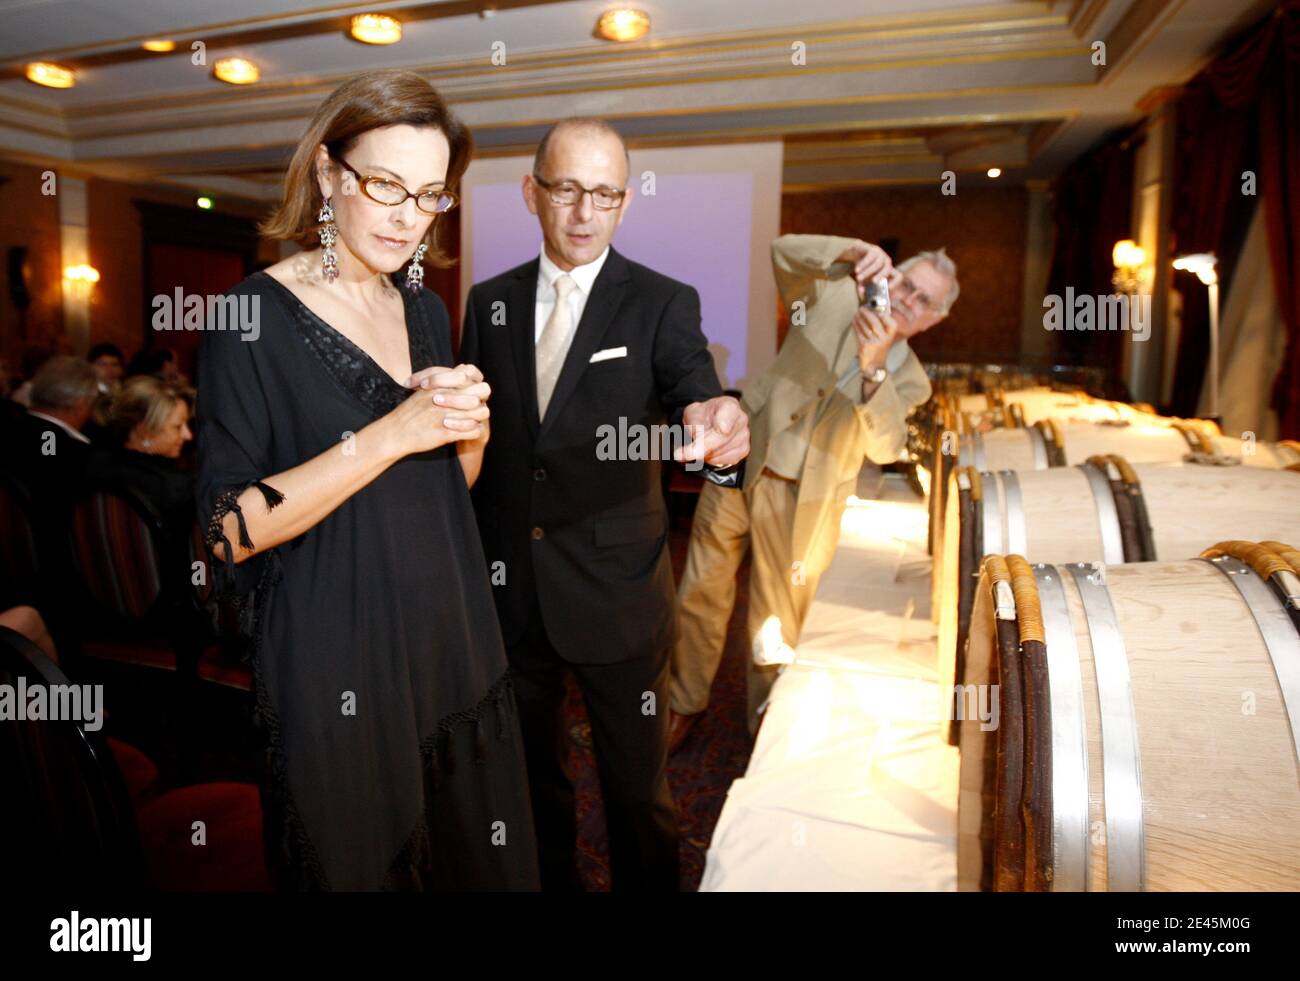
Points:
[[234, 434]]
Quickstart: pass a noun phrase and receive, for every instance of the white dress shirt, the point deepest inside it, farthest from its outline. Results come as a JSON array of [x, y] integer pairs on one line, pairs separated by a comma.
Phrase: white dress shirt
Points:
[[548, 273], [79, 437]]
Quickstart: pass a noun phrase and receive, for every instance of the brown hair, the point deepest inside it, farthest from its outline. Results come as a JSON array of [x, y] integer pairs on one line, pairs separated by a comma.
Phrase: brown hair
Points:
[[145, 399], [364, 102]]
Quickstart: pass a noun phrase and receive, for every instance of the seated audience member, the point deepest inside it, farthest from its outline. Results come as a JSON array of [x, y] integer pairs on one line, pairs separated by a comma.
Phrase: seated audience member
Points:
[[159, 362], [110, 368], [46, 449], [109, 365], [148, 426], [27, 621]]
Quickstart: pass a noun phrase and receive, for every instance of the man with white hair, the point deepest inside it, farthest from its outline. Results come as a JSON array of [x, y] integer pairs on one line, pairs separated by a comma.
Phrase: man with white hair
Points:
[[46, 448], [840, 390]]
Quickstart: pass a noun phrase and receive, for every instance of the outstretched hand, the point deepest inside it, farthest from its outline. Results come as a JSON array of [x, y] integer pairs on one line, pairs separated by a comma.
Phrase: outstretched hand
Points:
[[720, 433]]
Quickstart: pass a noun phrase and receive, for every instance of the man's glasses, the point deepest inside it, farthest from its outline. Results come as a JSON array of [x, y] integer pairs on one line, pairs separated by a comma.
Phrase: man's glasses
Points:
[[912, 291], [566, 193], [386, 191]]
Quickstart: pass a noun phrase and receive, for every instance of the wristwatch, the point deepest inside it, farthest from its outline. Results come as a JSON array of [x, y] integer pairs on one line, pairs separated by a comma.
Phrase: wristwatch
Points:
[[877, 377]]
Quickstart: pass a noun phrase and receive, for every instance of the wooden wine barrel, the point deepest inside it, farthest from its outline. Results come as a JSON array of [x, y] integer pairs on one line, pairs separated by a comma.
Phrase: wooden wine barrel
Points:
[[1046, 444], [1146, 731], [1051, 443], [1284, 453], [1104, 510], [1035, 405]]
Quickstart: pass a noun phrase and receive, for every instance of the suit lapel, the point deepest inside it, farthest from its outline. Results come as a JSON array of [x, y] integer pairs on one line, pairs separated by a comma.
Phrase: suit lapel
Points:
[[521, 311], [606, 297]]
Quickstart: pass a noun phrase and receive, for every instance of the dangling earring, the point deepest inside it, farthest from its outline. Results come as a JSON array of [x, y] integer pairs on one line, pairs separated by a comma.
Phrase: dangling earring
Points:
[[329, 234], [415, 271]]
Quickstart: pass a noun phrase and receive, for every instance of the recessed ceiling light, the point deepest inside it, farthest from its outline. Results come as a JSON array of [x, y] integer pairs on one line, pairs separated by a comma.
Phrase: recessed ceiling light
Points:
[[236, 71], [376, 29], [51, 75], [160, 45], [995, 171], [623, 24]]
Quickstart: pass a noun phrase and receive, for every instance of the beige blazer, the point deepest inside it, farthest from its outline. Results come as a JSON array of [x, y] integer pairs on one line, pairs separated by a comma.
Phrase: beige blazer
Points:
[[803, 379]]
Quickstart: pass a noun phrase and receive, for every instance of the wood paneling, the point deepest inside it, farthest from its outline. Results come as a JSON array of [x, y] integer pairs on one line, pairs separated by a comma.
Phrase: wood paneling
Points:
[[983, 229]]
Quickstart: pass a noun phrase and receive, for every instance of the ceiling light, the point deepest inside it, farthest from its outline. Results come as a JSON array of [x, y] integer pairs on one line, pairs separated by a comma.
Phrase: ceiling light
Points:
[[204, 202], [160, 45], [236, 71], [623, 24], [50, 75], [995, 172], [376, 29]]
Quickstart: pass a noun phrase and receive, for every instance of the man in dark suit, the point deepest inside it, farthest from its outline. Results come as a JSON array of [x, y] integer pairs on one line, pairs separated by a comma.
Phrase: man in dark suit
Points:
[[45, 448], [45, 458], [580, 347]]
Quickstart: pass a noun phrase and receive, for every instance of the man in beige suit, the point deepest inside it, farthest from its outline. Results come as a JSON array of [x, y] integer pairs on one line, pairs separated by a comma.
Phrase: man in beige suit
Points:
[[839, 391]]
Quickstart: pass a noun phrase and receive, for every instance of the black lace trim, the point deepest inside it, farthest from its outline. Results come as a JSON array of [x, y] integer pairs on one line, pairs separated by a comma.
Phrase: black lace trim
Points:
[[411, 868], [292, 860], [228, 501], [351, 368]]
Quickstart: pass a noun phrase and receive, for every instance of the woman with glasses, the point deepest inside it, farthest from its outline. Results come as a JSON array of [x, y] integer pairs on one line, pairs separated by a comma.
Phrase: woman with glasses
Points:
[[335, 495]]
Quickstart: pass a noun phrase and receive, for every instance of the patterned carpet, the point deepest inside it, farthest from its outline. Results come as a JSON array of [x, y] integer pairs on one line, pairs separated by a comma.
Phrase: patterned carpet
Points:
[[716, 751]]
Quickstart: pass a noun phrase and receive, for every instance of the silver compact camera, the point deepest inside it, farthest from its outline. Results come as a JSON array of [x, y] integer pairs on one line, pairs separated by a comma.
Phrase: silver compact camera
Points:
[[877, 300]]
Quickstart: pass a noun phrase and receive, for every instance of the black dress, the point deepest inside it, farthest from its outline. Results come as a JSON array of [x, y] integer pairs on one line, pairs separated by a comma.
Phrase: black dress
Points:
[[157, 479], [393, 755]]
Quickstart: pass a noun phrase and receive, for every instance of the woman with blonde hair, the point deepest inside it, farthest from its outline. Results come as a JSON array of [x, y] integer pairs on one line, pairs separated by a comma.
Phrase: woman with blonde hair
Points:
[[147, 422], [336, 500]]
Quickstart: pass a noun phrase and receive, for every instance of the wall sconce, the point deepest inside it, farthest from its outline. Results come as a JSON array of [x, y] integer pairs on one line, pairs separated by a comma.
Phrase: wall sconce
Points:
[[1128, 258], [79, 281], [81, 274]]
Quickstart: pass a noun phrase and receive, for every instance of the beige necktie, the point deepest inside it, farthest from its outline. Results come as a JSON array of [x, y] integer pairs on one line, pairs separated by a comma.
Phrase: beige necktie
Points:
[[553, 345]]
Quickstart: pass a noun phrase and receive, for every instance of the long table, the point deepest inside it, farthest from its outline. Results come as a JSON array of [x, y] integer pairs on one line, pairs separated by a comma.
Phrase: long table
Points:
[[849, 786]]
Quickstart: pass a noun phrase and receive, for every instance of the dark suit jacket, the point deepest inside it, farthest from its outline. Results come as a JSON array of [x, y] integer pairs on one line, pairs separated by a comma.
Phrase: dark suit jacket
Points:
[[53, 480], [586, 536], [157, 479]]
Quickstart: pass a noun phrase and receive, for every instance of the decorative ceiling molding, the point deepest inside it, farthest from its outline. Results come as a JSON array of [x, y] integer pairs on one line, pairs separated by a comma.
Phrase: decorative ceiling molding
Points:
[[877, 99]]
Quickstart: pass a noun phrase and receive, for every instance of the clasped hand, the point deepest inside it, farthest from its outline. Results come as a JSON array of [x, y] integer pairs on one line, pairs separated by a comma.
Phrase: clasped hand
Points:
[[447, 405]]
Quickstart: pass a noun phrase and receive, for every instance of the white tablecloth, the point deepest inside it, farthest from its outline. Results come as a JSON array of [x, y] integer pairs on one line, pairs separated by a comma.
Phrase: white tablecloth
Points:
[[849, 786]]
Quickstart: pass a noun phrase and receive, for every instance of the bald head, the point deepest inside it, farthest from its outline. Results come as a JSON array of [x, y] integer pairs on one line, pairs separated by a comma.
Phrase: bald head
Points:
[[578, 126]]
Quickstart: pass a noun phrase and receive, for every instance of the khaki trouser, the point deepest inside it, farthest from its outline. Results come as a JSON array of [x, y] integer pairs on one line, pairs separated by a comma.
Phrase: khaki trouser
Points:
[[725, 526]]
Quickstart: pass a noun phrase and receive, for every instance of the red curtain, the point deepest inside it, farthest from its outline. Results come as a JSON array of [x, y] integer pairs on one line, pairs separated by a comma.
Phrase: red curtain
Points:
[[1092, 205], [1243, 108]]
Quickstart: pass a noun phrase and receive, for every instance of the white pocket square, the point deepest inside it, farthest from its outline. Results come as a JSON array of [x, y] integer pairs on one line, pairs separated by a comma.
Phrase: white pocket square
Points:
[[608, 353]]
